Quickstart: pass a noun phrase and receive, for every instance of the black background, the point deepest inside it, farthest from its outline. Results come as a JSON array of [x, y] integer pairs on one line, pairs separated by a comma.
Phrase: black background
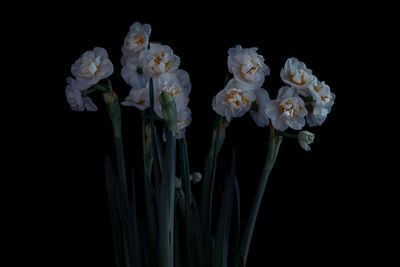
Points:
[[316, 207]]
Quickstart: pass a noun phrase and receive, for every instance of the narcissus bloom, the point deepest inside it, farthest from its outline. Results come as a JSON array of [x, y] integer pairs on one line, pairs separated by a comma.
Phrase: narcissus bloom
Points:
[[158, 59], [305, 138], [184, 119], [322, 104], [136, 40], [169, 83], [132, 73], [73, 93], [287, 110], [138, 98], [258, 107], [234, 100], [247, 66], [296, 74], [92, 67]]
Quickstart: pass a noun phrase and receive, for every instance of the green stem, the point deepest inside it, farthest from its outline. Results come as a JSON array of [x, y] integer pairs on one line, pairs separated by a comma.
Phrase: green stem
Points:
[[89, 91], [272, 152], [284, 134], [150, 204], [207, 189], [188, 192]]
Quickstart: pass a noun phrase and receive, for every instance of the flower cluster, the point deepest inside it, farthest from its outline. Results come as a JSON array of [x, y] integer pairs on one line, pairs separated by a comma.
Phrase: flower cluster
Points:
[[88, 70], [152, 72], [142, 61], [304, 99], [244, 89]]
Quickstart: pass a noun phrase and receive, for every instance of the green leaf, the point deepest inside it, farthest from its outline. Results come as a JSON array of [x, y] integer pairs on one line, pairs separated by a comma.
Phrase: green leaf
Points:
[[207, 188], [115, 211], [236, 232], [272, 152], [197, 233], [220, 253], [188, 194], [167, 187], [137, 251], [157, 152]]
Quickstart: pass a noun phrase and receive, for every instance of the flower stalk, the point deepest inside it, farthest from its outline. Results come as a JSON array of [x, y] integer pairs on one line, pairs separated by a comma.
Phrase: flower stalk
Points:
[[273, 147], [167, 187]]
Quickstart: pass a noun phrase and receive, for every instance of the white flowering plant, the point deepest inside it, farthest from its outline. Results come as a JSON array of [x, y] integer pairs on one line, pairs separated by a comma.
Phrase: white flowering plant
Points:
[[177, 228]]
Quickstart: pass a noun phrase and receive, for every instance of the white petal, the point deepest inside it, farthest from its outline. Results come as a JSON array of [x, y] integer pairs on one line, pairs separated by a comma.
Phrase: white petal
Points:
[[90, 106]]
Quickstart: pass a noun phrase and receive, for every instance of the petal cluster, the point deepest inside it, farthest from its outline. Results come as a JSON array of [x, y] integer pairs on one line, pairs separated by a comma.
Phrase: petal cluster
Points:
[[234, 100], [142, 61], [89, 69], [287, 110], [247, 66], [244, 93], [296, 74], [92, 67], [73, 93]]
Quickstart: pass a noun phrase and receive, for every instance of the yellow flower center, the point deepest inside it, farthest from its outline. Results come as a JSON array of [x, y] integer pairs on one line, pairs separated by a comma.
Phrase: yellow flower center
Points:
[[288, 108], [157, 60], [302, 82], [236, 100], [172, 91], [248, 72], [324, 98], [318, 87], [139, 39]]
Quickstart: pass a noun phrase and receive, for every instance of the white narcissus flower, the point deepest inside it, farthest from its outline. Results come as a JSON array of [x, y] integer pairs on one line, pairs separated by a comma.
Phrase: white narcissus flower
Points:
[[287, 110], [136, 40], [296, 74], [132, 73], [73, 93], [234, 100], [168, 82], [138, 98], [257, 111], [184, 80], [305, 138], [247, 66], [158, 59], [92, 67], [184, 119], [322, 104]]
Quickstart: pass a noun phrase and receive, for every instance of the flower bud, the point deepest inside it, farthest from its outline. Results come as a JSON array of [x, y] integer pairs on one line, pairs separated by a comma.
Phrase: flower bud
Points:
[[305, 138], [178, 183], [169, 111], [195, 177]]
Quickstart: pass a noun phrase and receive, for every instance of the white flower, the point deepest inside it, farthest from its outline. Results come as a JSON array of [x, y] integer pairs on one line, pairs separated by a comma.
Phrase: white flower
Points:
[[136, 40], [138, 98], [168, 82], [296, 74], [184, 80], [92, 66], [234, 100], [257, 111], [132, 73], [158, 59], [73, 93], [183, 120], [305, 138], [287, 110], [247, 66], [322, 104]]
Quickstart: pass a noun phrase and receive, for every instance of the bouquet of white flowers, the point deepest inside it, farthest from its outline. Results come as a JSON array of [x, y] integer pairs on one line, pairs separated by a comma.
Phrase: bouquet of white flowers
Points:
[[160, 90]]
